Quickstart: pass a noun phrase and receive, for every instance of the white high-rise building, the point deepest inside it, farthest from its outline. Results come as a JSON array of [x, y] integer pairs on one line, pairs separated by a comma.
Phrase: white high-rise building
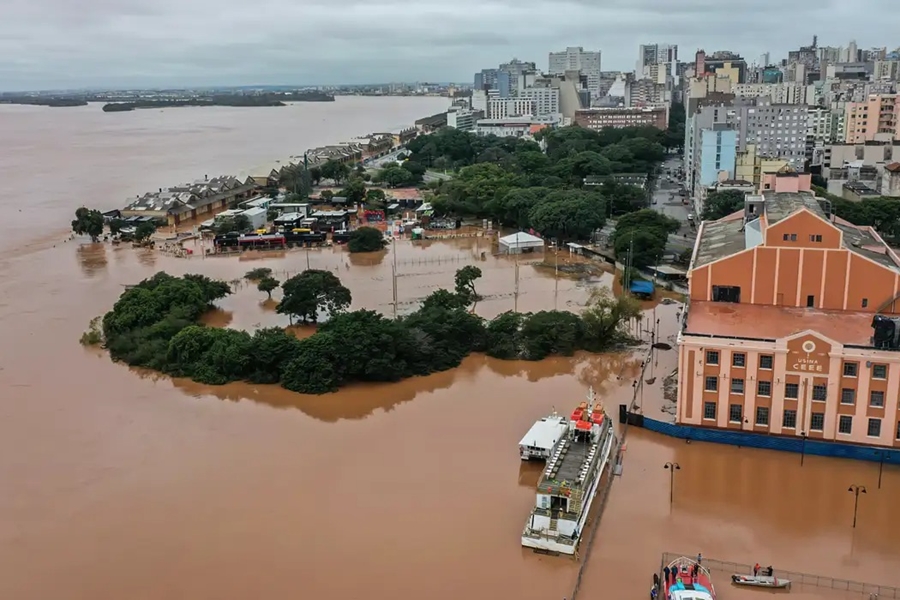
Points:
[[576, 59], [546, 100]]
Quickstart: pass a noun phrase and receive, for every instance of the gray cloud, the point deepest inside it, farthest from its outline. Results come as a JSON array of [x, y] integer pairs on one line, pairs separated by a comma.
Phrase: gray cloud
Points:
[[99, 43]]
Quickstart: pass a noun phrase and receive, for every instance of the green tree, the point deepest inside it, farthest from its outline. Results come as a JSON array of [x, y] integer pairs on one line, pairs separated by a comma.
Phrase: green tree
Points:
[[503, 337], [115, 226], [394, 176], [366, 239], [258, 274], [721, 204], [375, 196], [326, 195], [271, 350], [335, 170], [647, 233], [569, 215], [354, 191], [268, 285], [465, 283], [605, 318], [144, 231], [311, 292], [551, 332], [88, 222]]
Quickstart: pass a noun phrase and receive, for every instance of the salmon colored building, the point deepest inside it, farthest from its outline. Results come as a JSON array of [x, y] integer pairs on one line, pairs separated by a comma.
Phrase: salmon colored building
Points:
[[778, 337]]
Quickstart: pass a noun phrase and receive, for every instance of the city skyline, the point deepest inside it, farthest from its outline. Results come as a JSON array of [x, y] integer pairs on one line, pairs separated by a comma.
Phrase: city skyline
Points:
[[55, 44]]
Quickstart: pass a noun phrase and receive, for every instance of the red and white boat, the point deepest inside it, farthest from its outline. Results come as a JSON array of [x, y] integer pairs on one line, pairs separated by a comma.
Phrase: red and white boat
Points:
[[691, 581]]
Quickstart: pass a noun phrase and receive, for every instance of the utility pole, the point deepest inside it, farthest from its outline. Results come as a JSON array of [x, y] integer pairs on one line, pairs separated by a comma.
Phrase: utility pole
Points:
[[394, 276], [672, 467], [856, 490], [516, 289], [556, 279], [307, 258]]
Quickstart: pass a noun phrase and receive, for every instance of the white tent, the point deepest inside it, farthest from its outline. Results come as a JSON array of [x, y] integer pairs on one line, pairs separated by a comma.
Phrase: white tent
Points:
[[516, 243]]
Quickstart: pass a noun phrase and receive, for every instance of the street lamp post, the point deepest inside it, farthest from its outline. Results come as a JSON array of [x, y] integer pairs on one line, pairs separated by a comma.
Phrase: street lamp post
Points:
[[672, 467], [856, 490], [803, 436], [881, 454]]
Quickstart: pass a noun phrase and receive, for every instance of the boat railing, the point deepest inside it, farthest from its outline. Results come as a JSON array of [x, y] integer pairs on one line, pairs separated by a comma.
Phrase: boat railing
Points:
[[683, 563], [811, 581]]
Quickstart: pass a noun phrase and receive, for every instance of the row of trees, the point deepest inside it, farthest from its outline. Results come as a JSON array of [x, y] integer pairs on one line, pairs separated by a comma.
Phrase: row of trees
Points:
[[91, 223], [156, 325]]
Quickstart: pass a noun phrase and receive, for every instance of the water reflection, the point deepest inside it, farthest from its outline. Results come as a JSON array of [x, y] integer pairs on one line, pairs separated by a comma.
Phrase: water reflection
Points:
[[366, 259], [147, 256], [529, 473], [217, 318], [91, 258]]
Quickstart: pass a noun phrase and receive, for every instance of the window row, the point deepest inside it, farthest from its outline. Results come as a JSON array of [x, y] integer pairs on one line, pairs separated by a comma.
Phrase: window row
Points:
[[792, 391], [789, 421], [766, 361]]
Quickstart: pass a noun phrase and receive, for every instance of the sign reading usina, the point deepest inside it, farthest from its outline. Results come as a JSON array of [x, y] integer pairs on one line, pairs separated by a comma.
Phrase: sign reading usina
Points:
[[808, 355]]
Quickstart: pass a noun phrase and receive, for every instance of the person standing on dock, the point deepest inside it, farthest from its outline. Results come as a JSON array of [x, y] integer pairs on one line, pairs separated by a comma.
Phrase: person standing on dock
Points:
[[699, 558], [666, 573]]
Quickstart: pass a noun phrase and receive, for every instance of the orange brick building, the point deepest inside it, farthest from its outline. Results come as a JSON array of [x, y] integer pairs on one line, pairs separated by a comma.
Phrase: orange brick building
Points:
[[778, 336]]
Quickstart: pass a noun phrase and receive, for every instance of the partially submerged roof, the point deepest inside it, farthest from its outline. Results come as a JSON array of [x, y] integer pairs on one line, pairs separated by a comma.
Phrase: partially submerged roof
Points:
[[521, 238]]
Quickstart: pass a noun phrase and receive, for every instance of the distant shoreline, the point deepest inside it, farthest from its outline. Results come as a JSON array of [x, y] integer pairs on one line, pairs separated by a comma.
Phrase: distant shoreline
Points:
[[233, 100]]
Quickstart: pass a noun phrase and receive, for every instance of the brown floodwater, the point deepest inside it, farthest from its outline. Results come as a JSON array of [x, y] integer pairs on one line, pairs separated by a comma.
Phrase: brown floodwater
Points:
[[121, 483]]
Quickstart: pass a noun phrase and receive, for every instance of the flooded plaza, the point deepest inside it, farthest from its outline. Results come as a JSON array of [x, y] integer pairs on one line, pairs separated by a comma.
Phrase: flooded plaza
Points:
[[123, 483]]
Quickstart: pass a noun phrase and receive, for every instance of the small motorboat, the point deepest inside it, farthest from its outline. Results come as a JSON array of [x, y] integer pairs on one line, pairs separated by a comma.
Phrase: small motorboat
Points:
[[766, 581]]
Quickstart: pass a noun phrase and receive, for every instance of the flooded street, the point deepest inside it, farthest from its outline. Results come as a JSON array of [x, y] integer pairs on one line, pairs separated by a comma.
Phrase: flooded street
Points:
[[118, 483]]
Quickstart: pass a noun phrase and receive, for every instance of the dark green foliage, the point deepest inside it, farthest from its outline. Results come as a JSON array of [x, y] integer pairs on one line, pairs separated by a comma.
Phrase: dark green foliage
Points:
[[721, 204], [268, 285], [144, 231], [88, 222], [647, 232], [513, 182], [258, 274], [312, 291], [366, 239], [155, 325]]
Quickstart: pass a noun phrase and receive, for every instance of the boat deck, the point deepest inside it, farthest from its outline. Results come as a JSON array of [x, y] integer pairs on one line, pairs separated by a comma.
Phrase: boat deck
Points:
[[684, 582], [569, 464]]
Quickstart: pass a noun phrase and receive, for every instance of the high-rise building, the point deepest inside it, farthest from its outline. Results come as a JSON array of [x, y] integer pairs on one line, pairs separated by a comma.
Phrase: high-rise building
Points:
[[577, 59], [875, 119]]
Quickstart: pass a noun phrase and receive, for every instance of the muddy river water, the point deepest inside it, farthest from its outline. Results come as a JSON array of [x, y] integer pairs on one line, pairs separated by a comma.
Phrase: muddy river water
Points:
[[116, 483]]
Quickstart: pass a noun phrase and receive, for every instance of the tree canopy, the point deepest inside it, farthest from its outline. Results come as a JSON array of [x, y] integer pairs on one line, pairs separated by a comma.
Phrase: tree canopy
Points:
[[512, 181], [366, 239], [721, 204], [156, 325], [88, 222], [646, 232], [312, 292]]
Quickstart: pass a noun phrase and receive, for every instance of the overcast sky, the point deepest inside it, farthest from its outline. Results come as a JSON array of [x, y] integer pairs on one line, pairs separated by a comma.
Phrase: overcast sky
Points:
[[109, 43]]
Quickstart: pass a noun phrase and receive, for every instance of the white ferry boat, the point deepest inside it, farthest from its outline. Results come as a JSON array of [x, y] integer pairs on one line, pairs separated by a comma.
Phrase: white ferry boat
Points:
[[569, 483], [543, 437]]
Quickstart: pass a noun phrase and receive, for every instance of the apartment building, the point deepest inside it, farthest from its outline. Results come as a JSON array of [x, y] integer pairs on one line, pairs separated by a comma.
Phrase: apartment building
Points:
[[857, 162], [778, 130], [875, 119], [545, 99], [793, 326], [501, 108], [463, 118], [577, 59], [886, 70], [778, 93], [890, 180], [601, 118], [750, 166]]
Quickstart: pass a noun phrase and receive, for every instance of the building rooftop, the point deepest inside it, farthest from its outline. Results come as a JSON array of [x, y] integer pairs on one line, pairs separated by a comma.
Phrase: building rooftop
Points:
[[729, 235], [755, 321], [857, 187]]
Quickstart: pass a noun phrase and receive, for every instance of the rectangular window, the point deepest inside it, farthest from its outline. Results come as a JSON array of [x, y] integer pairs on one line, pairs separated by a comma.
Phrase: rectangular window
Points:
[[898, 430], [793, 237], [810, 302], [738, 359], [817, 422], [790, 418], [712, 384], [726, 293], [845, 424], [791, 390], [848, 396], [850, 369], [874, 429], [765, 361], [709, 410], [763, 388], [712, 357], [815, 238], [879, 371], [786, 237], [876, 399], [737, 385], [734, 413], [820, 393], [762, 415], [865, 302]]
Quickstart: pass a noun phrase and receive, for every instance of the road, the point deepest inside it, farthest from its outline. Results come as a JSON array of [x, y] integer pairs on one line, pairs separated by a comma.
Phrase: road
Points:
[[667, 201]]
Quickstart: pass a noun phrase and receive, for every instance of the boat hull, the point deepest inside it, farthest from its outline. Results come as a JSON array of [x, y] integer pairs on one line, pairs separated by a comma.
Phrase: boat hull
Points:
[[543, 542], [760, 581]]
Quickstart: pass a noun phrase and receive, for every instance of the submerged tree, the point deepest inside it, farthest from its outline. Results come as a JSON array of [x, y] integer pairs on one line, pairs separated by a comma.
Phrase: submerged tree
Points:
[[312, 291], [465, 284], [88, 222], [268, 285]]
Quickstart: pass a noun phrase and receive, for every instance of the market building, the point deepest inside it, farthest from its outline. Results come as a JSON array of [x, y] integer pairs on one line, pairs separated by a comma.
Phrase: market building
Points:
[[793, 323]]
